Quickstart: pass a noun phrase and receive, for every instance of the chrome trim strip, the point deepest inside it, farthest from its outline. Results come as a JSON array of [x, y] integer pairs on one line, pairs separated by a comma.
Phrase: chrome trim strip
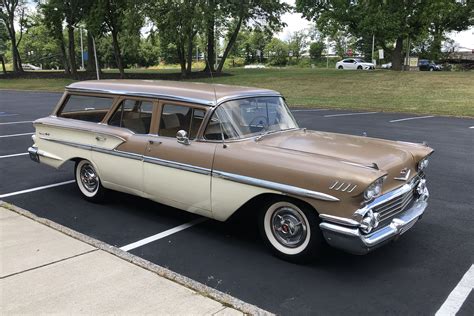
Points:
[[177, 165], [284, 188], [339, 220]]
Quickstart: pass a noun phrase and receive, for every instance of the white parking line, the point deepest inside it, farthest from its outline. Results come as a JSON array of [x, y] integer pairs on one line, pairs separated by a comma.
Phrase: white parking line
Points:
[[457, 296], [14, 135], [348, 114], [36, 189], [411, 118], [161, 235], [310, 110], [471, 127], [18, 122], [13, 155]]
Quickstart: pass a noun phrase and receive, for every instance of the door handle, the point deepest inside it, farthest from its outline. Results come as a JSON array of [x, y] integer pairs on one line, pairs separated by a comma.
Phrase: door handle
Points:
[[100, 138], [151, 142]]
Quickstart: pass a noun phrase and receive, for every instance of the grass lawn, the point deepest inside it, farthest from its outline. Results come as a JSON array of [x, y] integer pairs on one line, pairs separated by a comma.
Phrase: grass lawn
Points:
[[441, 93]]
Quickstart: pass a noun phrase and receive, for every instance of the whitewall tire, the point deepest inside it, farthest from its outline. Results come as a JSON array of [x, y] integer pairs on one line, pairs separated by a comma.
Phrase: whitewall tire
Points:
[[290, 229], [88, 181]]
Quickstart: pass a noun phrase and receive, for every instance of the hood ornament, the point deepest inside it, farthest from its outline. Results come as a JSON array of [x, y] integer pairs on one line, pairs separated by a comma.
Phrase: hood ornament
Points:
[[404, 175]]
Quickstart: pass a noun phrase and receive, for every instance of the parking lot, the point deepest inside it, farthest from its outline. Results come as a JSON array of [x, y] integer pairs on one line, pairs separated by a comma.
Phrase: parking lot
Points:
[[414, 275]]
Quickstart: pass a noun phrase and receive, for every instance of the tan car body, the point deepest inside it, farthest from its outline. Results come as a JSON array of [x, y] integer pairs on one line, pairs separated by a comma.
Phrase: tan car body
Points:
[[328, 171]]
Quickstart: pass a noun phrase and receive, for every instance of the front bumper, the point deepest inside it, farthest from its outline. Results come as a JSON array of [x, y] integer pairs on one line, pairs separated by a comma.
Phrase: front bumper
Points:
[[352, 240]]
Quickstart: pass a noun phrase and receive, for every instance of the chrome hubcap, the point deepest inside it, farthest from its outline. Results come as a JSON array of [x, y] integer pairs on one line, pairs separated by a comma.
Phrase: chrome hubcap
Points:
[[288, 227], [89, 178]]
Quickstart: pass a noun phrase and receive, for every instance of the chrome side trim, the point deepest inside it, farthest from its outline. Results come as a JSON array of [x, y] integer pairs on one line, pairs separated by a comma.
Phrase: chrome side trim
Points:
[[339, 220], [284, 188], [176, 165]]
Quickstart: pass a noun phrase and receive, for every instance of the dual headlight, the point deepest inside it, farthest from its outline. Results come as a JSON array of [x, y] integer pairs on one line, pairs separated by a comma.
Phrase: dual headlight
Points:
[[423, 164], [374, 190]]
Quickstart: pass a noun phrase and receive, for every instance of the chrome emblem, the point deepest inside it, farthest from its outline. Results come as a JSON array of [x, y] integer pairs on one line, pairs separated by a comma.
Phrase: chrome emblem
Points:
[[404, 174], [343, 187]]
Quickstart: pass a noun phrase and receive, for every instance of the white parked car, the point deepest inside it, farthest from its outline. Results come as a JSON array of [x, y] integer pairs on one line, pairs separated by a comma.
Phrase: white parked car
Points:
[[386, 66], [354, 63], [257, 66], [30, 67]]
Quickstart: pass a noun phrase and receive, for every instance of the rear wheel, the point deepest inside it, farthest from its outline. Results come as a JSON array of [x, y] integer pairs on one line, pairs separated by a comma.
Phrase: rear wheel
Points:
[[359, 68], [431, 69], [290, 229], [88, 181]]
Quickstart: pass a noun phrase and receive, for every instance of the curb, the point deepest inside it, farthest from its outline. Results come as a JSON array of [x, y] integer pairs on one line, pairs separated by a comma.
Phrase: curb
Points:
[[200, 288]]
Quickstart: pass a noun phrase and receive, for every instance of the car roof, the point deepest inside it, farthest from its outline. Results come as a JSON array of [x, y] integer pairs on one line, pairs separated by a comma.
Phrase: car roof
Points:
[[195, 92]]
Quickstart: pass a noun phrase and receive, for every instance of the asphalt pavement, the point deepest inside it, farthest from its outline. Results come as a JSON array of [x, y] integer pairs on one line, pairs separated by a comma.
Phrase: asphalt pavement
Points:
[[414, 275]]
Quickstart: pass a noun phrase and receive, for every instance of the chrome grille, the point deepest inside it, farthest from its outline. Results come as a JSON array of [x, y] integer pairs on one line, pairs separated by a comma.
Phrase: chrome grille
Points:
[[394, 206]]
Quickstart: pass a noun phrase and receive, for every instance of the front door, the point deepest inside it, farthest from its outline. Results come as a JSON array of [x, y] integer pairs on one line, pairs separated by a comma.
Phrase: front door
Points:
[[179, 173]]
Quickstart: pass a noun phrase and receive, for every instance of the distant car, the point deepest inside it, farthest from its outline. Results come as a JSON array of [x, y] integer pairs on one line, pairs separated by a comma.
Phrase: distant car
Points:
[[257, 66], [30, 67], [354, 63], [428, 65], [386, 66]]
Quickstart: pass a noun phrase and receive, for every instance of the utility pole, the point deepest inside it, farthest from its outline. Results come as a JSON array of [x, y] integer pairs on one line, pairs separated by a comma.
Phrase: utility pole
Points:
[[82, 49], [373, 47], [95, 56]]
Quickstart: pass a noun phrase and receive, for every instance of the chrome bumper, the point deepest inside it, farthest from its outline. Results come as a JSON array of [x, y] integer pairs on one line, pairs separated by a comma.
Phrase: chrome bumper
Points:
[[352, 240], [33, 151]]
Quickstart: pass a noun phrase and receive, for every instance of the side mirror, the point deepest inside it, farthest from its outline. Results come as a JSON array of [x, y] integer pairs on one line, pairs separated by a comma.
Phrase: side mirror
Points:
[[182, 137]]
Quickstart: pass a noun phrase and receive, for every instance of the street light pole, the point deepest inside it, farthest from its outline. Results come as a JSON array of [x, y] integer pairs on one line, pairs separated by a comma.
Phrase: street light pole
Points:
[[373, 46], [96, 61]]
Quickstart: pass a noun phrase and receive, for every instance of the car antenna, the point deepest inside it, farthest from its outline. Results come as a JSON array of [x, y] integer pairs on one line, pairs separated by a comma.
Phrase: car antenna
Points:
[[215, 98]]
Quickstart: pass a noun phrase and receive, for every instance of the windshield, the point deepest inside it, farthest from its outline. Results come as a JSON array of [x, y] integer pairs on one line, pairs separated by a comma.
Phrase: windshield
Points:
[[248, 117]]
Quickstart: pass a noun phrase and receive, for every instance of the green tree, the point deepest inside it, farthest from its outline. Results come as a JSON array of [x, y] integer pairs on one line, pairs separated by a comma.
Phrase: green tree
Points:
[[277, 52], [178, 22], [316, 49], [12, 12], [297, 43], [53, 20], [3, 44]]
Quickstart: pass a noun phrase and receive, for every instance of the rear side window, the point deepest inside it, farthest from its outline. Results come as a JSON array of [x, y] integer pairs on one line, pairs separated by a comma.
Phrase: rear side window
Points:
[[179, 117], [134, 115], [86, 108]]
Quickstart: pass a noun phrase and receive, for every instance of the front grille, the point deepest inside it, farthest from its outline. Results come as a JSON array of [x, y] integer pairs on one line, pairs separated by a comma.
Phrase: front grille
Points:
[[391, 208]]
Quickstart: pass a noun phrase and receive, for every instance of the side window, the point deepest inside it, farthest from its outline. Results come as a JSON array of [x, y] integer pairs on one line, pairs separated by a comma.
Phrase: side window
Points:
[[134, 115], [86, 108], [179, 117], [213, 130]]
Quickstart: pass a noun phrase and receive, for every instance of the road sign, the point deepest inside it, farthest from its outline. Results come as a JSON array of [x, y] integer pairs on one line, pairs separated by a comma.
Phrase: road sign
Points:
[[380, 53]]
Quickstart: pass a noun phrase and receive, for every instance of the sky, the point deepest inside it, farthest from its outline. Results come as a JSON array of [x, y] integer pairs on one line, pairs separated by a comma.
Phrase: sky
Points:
[[296, 22]]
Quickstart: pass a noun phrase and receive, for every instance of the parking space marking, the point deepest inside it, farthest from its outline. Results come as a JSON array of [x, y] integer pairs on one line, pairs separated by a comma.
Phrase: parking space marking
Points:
[[460, 293], [471, 127], [411, 118], [36, 189], [310, 110], [13, 155], [349, 114], [18, 122], [15, 135], [3, 114], [161, 235]]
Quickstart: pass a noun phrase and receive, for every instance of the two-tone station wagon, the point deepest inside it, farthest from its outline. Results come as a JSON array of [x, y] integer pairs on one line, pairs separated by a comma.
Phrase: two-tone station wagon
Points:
[[215, 149]]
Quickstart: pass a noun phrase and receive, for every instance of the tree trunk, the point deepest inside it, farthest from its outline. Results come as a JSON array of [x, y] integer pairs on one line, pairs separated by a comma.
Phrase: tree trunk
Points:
[[90, 67], [3, 65], [397, 55], [190, 53], [181, 58], [230, 44], [117, 54], [72, 51], [17, 67], [210, 25], [64, 60]]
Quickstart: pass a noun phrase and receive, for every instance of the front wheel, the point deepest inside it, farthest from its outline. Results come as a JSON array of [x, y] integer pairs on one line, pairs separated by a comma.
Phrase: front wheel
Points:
[[291, 229], [88, 181], [340, 67]]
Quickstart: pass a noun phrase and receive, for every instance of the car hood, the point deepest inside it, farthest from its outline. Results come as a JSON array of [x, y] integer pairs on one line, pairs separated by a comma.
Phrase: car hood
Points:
[[389, 157]]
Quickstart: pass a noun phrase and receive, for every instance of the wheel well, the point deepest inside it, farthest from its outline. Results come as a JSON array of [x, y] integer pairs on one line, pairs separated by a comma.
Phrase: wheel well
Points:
[[248, 209]]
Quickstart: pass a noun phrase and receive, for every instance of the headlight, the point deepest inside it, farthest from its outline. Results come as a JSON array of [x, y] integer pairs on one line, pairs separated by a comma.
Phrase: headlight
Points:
[[369, 222], [423, 164], [374, 189]]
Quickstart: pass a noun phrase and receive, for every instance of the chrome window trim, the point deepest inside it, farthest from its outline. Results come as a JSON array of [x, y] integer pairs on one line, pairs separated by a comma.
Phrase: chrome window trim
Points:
[[283, 188]]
